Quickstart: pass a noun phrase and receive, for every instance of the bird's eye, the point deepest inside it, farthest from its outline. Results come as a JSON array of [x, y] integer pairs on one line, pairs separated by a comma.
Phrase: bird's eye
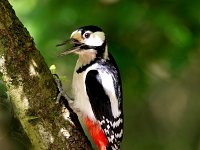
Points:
[[86, 35]]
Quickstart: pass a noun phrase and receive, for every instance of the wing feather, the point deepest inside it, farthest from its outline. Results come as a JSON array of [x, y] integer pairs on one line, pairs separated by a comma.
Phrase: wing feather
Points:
[[101, 105]]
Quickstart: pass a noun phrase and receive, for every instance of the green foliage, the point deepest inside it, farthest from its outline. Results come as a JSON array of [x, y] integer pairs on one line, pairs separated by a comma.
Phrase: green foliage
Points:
[[156, 45]]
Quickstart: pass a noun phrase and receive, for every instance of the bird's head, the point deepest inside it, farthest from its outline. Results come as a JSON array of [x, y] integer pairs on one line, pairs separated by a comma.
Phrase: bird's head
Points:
[[87, 39]]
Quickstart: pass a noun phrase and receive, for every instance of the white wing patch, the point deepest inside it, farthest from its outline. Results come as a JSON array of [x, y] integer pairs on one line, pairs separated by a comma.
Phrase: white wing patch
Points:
[[80, 94], [108, 85], [111, 128]]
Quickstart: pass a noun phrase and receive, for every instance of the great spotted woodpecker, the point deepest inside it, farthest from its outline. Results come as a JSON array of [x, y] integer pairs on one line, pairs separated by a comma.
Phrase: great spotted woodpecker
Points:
[[97, 88]]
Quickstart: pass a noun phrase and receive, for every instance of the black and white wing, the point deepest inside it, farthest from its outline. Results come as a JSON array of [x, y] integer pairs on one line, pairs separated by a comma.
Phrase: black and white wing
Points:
[[103, 86]]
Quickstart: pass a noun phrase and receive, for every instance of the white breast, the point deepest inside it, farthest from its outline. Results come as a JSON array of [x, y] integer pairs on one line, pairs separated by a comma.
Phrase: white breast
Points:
[[81, 100]]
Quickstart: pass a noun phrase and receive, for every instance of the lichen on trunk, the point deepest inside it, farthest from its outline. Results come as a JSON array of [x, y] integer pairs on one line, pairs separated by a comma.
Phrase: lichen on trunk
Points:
[[32, 89]]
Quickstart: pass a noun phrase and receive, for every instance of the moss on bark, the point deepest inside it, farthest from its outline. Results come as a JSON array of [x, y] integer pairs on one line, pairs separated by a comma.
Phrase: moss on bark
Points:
[[32, 88]]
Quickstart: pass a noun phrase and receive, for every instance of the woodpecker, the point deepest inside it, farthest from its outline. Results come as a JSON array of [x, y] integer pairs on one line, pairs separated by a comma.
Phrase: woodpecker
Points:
[[96, 87]]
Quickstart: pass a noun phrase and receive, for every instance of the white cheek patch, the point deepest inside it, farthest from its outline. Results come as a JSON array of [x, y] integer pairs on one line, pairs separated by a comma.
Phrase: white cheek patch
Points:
[[96, 39]]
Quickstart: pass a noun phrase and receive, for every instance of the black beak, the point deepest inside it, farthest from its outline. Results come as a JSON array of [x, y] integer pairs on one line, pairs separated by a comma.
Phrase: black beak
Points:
[[65, 42], [76, 46]]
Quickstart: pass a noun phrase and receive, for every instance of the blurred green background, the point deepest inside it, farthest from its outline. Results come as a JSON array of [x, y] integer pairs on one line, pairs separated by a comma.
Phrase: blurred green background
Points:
[[157, 47]]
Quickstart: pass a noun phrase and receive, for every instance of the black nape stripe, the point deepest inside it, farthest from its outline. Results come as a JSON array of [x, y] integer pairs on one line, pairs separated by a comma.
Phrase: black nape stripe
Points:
[[83, 68], [100, 49]]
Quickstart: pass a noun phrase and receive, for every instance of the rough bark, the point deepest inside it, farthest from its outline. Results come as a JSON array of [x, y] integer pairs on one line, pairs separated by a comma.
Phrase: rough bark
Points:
[[33, 91]]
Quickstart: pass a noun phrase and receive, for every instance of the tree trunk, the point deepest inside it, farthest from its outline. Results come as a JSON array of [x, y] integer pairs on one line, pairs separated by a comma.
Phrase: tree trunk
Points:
[[33, 91]]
